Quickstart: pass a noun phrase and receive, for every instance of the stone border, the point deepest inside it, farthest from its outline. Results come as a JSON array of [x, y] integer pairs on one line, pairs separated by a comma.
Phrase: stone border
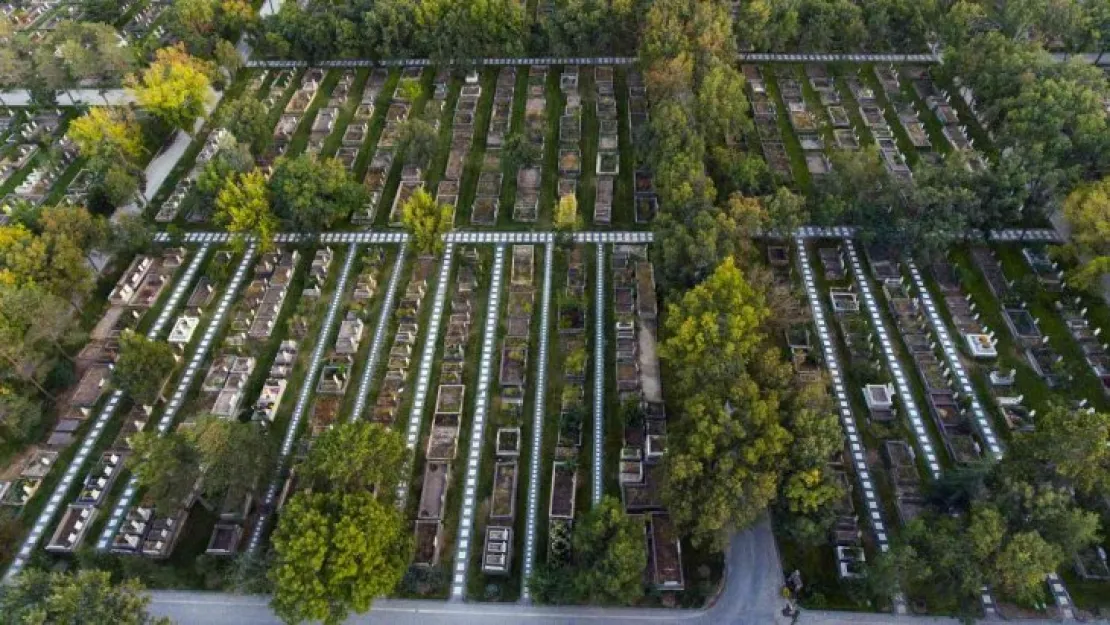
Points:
[[599, 374]]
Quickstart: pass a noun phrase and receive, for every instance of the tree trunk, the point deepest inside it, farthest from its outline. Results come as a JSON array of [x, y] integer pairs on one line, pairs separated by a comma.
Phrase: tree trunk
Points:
[[15, 365]]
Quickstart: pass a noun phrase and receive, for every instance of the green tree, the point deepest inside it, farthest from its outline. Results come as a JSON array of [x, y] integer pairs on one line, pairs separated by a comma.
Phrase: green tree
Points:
[[1022, 565], [1072, 443], [20, 417], [167, 467], [786, 211], [722, 107], [610, 554], [336, 552], [427, 221], [175, 87], [519, 152], [143, 367], [419, 141], [87, 596], [243, 206], [233, 454], [356, 456], [311, 194], [247, 119]]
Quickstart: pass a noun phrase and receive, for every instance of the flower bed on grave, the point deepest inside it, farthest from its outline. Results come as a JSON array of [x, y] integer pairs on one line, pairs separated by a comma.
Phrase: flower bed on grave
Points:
[[503, 499]]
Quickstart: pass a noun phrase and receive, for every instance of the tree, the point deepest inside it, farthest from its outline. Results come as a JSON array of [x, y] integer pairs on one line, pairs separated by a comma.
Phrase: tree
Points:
[[20, 417], [233, 454], [143, 367], [418, 140], [89, 51], [1072, 442], [104, 134], [87, 596], [566, 213], [75, 225], [167, 467], [356, 456], [247, 119], [243, 206], [722, 107], [1087, 210], [786, 211], [336, 552], [518, 151], [53, 263], [427, 221], [33, 324], [175, 87], [609, 554], [1022, 565], [130, 235], [313, 194]]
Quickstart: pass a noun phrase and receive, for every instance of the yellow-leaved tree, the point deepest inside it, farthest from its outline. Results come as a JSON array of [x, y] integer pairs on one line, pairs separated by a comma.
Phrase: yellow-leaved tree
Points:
[[243, 206], [175, 87], [107, 133], [1087, 209], [427, 221]]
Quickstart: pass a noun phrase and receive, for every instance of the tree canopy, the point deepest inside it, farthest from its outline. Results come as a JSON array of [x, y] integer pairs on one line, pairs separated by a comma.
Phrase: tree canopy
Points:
[[175, 87], [143, 367], [427, 221], [87, 596], [312, 194], [356, 456]]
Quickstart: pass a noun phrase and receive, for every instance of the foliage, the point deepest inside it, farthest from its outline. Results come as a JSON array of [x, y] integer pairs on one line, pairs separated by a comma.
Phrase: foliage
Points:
[[356, 456], [419, 141], [20, 416], [566, 213], [583, 27], [234, 455], [243, 206], [427, 221], [87, 596], [175, 87], [336, 552], [167, 467], [312, 195], [518, 151], [143, 367], [103, 134], [247, 119]]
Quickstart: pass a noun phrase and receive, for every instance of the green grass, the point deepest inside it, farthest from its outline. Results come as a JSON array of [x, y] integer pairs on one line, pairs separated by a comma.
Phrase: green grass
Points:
[[516, 125]]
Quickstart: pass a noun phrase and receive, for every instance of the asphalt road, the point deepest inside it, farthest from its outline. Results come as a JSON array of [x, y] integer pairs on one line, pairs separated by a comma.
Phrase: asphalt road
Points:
[[750, 597]]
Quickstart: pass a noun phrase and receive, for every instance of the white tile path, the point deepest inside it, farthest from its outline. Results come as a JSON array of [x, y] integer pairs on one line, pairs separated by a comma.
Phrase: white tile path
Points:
[[599, 374], [847, 419], [43, 521], [178, 397], [537, 429], [492, 61], [481, 407], [901, 382], [379, 336], [427, 359], [308, 384], [952, 355]]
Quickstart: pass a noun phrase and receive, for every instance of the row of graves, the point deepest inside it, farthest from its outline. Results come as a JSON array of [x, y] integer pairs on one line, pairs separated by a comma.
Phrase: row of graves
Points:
[[863, 359], [570, 134], [358, 129], [1023, 326], [980, 344], [947, 407], [149, 21], [512, 380], [394, 385], [25, 136], [443, 437], [874, 117], [153, 533], [487, 197], [381, 161], [938, 101], [843, 132], [328, 115], [572, 408], [231, 371], [607, 167], [908, 116], [644, 438], [805, 122], [295, 109], [462, 136], [645, 199], [414, 173], [142, 283], [178, 198], [339, 362], [765, 112], [377, 174]]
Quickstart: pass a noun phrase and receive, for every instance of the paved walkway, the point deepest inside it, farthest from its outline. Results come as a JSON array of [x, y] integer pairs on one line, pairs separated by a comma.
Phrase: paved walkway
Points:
[[893, 363], [177, 400], [477, 433], [774, 57], [540, 403], [308, 385], [427, 359], [73, 97], [45, 517], [599, 375], [492, 61], [379, 336]]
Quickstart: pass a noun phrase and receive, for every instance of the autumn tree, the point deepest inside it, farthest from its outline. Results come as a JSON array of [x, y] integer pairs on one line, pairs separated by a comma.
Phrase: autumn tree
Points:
[[566, 213], [175, 87], [427, 221], [356, 456], [105, 134], [335, 553], [35, 325], [87, 596], [143, 367], [243, 207], [312, 194]]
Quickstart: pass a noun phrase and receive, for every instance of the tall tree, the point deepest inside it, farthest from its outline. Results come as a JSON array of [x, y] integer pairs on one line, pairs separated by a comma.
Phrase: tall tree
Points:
[[356, 456], [167, 467], [233, 454], [311, 194], [175, 87], [246, 118], [427, 221], [336, 552], [610, 554], [143, 367], [104, 134], [87, 596], [243, 206]]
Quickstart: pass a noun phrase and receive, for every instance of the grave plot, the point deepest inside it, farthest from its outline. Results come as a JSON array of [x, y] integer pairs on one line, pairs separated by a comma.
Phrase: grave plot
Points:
[[144, 287], [901, 112], [487, 196], [805, 122], [644, 197], [347, 135], [140, 529], [824, 85], [941, 116], [415, 168], [27, 171], [570, 135], [435, 499], [373, 110], [293, 114], [765, 111], [978, 340], [462, 137], [1025, 329], [497, 536], [602, 146], [148, 21], [396, 169], [873, 115], [327, 116], [644, 437], [393, 389]]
